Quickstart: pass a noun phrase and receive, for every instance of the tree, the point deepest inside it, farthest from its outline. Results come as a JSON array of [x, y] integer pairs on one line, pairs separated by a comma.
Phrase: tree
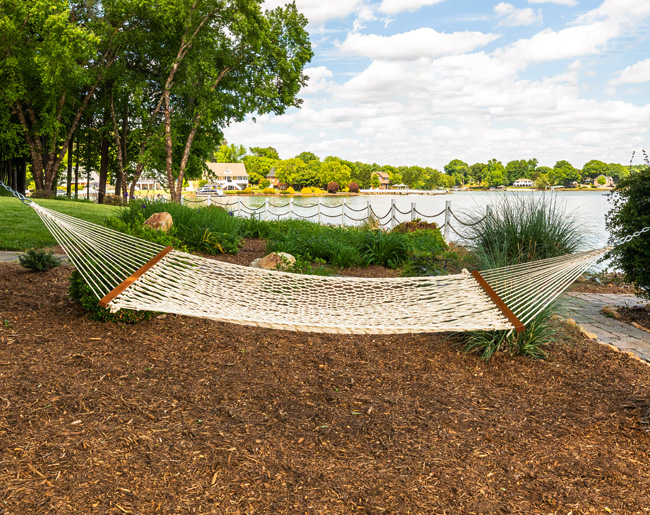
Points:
[[308, 157], [477, 172], [230, 153], [565, 173], [594, 168], [520, 169], [601, 180], [258, 167], [291, 171], [631, 213], [267, 152], [496, 173], [458, 169], [374, 182], [56, 53], [209, 63], [333, 171]]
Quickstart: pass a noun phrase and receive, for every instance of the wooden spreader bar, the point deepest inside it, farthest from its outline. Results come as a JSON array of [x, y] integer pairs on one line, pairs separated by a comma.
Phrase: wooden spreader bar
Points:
[[519, 327], [134, 277]]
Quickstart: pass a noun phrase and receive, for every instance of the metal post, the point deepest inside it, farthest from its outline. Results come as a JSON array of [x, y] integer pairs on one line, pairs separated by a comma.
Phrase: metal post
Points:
[[413, 212], [266, 209], [447, 219], [392, 213], [319, 217]]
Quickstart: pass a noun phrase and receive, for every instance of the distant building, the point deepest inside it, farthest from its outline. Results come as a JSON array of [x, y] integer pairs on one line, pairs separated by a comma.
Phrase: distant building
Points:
[[523, 183], [609, 182], [272, 178], [384, 179], [228, 176]]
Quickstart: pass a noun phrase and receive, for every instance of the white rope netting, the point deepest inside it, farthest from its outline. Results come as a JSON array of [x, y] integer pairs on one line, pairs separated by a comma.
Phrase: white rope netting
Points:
[[191, 285]]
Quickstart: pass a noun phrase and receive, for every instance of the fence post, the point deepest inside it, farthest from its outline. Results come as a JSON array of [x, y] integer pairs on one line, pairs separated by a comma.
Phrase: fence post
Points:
[[392, 213], [209, 200], [413, 212], [238, 206], [447, 219], [181, 199], [290, 207], [368, 210], [319, 217], [266, 209], [488, 210], [343, 214]]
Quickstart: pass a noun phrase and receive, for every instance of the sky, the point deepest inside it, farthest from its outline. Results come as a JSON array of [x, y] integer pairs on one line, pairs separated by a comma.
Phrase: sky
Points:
[[422, 82]]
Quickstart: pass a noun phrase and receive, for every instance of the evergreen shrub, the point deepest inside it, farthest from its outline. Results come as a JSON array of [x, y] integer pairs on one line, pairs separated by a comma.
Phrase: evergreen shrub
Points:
[[38, 260]]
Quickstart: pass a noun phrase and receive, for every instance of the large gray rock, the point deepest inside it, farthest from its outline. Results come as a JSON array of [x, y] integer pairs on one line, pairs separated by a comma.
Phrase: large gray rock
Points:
[[274, 261]]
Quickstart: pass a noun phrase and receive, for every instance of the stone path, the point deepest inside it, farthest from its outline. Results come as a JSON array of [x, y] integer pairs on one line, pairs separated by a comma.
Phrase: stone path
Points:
[[585, 309], [7, 256]]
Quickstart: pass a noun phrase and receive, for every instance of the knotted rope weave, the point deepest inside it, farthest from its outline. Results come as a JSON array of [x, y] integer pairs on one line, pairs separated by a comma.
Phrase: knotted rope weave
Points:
[[131, 273]]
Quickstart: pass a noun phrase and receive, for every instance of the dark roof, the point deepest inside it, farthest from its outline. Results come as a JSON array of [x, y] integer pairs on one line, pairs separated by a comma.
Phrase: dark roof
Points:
[[271, 173]]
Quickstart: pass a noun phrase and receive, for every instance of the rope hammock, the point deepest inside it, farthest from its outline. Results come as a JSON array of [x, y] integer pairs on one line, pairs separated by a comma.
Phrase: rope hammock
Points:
[[126, 272]]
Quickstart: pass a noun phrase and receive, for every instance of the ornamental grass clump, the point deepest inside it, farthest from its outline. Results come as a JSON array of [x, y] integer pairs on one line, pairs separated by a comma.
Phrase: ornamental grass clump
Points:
[[521, 228]]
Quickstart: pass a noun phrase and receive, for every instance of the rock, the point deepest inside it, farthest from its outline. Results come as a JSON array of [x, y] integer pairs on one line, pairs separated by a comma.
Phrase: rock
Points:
[[159, 221], [274, 261], [571, 322], [612, 311], [587, 334], [640, 327]]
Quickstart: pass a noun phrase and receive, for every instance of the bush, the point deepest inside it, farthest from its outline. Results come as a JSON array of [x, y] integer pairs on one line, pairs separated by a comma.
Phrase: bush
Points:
[[268, 191], [289, 191], [353, 187], [209, 229], [631, 213], [114, 200], [247, 189], [332, 187], [264, 183], [80, 292], [384, 248], [39, 260], [306, 191]]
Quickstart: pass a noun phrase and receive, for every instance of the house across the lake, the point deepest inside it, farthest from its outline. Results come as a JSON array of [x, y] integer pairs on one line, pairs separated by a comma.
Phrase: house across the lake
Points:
[[384, 180], [228, 176], [523, 183], [272, 178]]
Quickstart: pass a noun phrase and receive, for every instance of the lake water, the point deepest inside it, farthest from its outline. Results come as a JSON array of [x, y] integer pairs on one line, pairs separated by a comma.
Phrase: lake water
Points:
[[589, 207]]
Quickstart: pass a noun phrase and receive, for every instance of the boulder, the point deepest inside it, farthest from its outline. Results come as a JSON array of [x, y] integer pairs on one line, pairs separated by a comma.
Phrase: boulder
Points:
[[159, 221], [612, 311], [274, 261]]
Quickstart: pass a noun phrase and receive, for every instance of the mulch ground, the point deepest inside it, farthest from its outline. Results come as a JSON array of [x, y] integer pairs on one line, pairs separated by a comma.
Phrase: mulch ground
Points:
[[637, 316], [179, 415]]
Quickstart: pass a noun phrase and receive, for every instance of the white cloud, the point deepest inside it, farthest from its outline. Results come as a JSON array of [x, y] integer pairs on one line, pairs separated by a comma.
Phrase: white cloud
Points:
[[318, 11], [398, 6], [415, 44], [634, 74], [550, 45], [620, 11], [365, 15], [559, 2], [510, 16], [319, 80]]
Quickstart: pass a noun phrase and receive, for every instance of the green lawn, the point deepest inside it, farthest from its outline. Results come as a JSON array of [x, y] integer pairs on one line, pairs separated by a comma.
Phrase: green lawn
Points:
[[22, 229]]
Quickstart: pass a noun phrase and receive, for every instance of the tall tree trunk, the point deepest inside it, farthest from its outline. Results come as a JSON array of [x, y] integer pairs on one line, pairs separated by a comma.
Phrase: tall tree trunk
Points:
[[21, 167], [174, 193], [76, 174], [103, 170], [68, 189]]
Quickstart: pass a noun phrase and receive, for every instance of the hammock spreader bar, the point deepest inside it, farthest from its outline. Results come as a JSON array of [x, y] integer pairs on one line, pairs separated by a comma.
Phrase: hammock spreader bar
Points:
[[519, 327], [133, 277]]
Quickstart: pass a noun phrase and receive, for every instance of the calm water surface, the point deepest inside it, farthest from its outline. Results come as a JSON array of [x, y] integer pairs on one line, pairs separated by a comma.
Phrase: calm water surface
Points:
[[589, 207]]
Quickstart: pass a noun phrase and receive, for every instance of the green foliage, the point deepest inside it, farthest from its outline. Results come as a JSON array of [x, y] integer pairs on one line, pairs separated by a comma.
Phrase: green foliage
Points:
[[39, 260], [269, 191], [80, 292], [538, 335], [317, 267], [384, 248], [631, 213], [523, 228], [211, 230], [264, 184]]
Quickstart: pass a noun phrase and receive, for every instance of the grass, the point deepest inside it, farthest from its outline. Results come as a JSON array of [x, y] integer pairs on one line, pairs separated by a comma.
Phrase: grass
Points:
[[22, 229]]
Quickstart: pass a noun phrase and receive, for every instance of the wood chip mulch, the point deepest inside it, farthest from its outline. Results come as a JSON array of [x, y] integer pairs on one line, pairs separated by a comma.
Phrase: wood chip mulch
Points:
[[637, 316], [183, 416]]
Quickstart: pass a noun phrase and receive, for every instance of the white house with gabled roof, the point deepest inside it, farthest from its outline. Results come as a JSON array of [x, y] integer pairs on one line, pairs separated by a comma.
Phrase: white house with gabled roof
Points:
[[228, 176]]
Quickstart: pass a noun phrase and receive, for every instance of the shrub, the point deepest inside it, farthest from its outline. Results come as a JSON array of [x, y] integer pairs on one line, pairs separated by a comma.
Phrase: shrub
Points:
[[39, 260], [289, 191], [631, 213], [384, 248], [306, 191], [268, 191], [80, 292], [114, 200], [247, 189], [264, 183], [353, 187], [332, 187]]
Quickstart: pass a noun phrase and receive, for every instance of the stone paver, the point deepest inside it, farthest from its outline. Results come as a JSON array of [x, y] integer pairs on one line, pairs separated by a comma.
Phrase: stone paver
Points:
[[7, 256], [585, 309]]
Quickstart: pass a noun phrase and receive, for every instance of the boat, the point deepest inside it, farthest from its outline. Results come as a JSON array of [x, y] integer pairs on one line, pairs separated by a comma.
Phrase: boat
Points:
[[210, 191]]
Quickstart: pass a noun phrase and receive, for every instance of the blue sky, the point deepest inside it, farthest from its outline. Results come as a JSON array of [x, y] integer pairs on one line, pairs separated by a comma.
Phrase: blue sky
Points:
[[421, 82]]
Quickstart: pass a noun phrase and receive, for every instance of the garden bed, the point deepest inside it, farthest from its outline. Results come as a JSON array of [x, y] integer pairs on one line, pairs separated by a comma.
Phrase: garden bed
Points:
[[180, 415]]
